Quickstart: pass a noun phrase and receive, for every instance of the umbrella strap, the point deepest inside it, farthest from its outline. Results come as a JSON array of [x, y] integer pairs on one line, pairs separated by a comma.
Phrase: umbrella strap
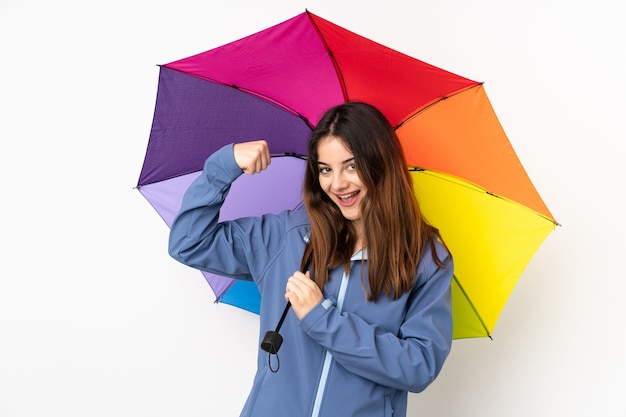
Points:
[[272, 339]]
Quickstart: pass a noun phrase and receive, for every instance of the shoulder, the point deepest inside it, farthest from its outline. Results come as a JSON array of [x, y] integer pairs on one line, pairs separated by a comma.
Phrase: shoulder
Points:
[[297, 217], [428, 266], [297, 221], [284, 223], [442, 252]]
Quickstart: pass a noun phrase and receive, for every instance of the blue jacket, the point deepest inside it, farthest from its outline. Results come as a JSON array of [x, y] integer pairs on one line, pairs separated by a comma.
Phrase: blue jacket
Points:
[[347, 356]]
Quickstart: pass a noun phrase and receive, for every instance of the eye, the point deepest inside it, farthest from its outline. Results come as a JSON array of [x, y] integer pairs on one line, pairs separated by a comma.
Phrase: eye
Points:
[[324, 170], [352, 166]]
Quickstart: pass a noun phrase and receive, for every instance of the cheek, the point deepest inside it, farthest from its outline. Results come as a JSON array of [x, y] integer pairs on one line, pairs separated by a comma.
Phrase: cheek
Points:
[[324, 184]]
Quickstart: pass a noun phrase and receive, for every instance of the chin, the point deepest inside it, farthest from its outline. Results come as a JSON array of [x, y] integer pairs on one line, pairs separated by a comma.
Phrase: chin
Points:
[[352, 217]]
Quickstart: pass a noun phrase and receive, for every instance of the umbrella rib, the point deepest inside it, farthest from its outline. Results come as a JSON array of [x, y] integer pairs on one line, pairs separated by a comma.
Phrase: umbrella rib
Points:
[[274, 155], [342, 83], [291, 154], [477, 188], [554, 222], [253, 93], [482, 322], [432, 103], [218, 299], [272, 101]]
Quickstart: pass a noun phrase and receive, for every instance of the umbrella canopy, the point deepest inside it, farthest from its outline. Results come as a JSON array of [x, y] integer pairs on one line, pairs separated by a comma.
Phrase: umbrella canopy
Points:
[[277, 83]]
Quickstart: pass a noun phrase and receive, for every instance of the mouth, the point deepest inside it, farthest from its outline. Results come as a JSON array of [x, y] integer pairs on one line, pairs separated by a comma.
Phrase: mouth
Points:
[[347, 200]]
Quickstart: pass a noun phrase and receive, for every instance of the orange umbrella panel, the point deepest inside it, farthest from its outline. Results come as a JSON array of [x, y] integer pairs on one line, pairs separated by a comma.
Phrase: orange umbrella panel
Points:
[[462, 136]]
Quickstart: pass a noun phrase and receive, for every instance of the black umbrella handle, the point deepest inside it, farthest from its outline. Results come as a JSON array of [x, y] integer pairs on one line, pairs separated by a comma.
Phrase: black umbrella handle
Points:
[[272, 339]]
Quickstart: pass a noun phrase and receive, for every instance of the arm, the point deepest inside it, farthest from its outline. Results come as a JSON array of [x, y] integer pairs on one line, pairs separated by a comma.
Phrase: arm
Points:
[[197, 238], [410, 360]]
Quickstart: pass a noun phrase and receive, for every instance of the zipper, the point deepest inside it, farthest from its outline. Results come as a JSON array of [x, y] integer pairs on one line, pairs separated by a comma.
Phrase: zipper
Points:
[[319, 395], [328, 357]]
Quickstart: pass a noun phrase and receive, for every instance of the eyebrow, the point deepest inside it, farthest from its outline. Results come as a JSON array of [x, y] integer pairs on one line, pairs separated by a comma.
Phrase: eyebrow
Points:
[[342, 162]]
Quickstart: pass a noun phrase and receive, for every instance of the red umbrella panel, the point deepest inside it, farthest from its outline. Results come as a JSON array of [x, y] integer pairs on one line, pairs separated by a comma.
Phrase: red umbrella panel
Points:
[[277, 83]]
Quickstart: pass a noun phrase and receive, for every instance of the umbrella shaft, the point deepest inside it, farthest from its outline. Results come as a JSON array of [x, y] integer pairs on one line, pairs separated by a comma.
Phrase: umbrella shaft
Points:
[[282, 318]]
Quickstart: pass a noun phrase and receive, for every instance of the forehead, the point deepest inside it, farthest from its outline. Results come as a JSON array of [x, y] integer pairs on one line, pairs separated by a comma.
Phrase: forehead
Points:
[[333, 149]]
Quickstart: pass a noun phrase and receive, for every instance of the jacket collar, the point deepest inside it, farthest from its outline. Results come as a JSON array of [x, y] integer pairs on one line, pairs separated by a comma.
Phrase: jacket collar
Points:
[[360, 255]]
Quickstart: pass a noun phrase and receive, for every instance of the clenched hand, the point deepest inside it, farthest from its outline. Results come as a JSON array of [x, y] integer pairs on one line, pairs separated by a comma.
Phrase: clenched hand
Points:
[[252, 157]]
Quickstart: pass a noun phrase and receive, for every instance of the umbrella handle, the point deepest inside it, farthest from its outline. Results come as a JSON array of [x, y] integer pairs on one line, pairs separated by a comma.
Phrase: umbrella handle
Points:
[[272, 339]]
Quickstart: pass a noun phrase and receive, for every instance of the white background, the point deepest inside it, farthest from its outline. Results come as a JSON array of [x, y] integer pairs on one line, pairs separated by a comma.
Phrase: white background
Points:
[[97, 320]]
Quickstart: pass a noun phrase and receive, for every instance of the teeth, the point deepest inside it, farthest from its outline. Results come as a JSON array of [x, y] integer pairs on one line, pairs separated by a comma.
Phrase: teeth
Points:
[[347, 196]]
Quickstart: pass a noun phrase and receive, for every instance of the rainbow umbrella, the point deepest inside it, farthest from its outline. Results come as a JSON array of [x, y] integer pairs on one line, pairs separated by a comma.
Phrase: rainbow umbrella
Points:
[[276, 84]]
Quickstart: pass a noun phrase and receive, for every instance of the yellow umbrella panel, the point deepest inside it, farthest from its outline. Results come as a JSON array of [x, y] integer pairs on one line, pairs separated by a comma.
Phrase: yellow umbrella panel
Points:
[[491, 239]]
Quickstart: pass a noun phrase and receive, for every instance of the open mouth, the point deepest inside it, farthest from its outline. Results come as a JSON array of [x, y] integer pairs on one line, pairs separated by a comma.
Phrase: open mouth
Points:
[[348, 199]]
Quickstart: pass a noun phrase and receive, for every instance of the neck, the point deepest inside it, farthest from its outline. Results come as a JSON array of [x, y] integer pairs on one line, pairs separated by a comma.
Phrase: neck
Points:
[[359, 244]]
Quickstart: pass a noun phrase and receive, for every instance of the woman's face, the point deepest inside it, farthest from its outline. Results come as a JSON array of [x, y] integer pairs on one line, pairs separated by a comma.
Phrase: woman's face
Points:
[[338, 177]]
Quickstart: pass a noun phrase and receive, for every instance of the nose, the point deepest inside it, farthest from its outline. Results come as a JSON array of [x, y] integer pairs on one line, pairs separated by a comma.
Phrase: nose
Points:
[[340, 182]]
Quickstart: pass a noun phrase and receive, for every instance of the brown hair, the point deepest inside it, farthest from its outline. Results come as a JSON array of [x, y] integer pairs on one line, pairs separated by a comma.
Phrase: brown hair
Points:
[[395, 232]]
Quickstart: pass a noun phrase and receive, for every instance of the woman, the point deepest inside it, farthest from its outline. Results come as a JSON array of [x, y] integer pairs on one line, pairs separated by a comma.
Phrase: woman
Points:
[[372, 314]]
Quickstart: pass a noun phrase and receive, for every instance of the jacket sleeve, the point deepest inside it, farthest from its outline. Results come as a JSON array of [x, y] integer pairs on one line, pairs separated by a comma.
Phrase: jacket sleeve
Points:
[[199, 240], [408, 361]]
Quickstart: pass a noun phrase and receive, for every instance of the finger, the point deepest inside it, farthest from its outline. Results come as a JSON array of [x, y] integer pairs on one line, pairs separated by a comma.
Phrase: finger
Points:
[[293, 286], [261, 154], [264, 161], [293, 294], [256, 166], [265, 158], [265, 155], [304, 280], [252, 157]]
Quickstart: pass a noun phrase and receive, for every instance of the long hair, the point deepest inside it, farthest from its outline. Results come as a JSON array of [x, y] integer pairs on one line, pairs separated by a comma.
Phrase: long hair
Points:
[[395, 233]]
